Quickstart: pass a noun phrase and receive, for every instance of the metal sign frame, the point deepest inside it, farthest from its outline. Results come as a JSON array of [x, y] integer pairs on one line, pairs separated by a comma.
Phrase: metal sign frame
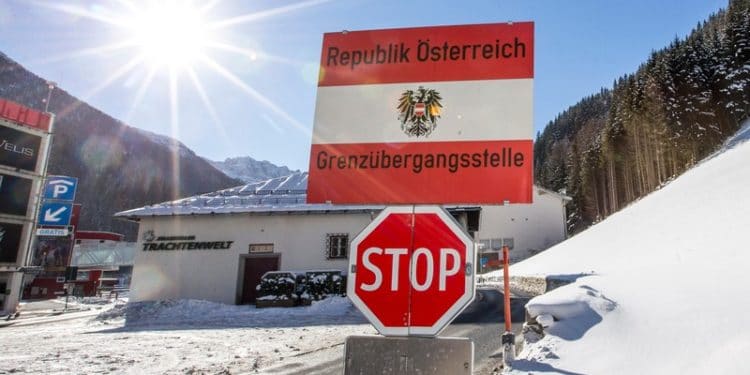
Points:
[[408, 355]]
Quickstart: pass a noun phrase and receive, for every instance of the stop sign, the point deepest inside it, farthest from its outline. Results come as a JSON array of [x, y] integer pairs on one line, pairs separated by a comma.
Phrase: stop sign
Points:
[[411, 270]]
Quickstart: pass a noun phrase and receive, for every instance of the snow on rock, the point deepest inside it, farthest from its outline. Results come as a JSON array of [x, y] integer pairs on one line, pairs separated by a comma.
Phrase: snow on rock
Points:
[[570, 312], [569, 303], [545, 320], [667, 280]]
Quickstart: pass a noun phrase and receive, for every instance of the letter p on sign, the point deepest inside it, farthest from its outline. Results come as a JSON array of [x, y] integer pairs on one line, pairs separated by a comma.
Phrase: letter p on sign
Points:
[[61, 188], [412, 270]]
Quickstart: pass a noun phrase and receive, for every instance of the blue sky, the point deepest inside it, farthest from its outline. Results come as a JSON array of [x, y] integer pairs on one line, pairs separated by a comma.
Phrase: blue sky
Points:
[[262, 93]]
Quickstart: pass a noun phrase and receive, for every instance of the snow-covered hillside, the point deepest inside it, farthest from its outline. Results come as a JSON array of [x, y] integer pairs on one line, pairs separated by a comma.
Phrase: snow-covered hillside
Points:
[[669, 290]]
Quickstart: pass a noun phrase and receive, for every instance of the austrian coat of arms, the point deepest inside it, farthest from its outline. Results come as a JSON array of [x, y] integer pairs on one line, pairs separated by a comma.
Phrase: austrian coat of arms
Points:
[[418, 111]]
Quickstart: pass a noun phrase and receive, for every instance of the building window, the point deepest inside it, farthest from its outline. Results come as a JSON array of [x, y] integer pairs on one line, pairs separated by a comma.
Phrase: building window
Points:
[[508, 242], [497, 243], [337, 245], [484, 245]]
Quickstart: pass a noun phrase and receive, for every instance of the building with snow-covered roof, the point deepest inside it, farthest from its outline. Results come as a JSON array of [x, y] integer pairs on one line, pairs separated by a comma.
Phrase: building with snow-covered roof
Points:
[[105, 251], [216, 246]]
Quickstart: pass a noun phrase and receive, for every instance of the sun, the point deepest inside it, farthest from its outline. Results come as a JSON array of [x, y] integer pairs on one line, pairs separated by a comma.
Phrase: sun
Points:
[[173, 34], [179, 38]]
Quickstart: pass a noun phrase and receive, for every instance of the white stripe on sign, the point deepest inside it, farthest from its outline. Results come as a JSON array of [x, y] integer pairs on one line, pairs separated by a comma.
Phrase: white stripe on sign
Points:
[[472, 110]]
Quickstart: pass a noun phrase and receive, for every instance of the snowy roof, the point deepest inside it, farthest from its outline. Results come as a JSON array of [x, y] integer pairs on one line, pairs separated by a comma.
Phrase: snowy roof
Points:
[[278, 195], [562, 196]]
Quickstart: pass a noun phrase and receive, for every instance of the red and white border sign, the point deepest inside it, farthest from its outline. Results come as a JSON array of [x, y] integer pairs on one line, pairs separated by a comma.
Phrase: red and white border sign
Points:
[[425, 115]]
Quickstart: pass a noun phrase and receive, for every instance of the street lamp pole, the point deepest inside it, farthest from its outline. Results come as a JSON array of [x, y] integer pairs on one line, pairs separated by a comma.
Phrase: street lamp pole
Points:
[[50, 86]]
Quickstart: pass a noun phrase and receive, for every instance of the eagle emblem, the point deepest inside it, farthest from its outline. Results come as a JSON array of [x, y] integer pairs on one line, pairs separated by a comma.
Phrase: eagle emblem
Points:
[[149, 236], [419, 111]]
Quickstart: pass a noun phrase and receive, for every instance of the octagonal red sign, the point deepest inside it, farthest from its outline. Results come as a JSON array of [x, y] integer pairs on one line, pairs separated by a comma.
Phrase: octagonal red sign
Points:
[[411, 270]]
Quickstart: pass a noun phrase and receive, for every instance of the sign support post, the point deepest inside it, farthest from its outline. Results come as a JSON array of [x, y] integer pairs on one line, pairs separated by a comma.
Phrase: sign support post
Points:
[[508, 338]]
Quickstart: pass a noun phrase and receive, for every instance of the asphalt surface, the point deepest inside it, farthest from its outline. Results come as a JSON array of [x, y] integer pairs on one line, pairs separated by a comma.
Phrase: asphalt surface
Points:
[[482, 322]]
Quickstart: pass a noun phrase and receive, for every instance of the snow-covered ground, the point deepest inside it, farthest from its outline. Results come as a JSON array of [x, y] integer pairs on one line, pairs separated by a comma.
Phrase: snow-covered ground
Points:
[[177, 337], [668, 286], [660, 288]]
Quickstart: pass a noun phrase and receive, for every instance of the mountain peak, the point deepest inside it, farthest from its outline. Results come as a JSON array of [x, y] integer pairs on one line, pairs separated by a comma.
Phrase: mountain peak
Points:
[[250, 170]]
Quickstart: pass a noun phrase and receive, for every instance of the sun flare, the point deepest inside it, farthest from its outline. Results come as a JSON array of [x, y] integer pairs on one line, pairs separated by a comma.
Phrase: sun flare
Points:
[[170, 33], [177, 39]]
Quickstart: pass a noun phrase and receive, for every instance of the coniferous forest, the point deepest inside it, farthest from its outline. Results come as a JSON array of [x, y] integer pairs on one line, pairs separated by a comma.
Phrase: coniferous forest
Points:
[[618, 145]]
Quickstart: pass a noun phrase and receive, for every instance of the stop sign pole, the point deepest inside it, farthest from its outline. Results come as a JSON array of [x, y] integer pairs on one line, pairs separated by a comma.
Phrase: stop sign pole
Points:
[[411, 270]]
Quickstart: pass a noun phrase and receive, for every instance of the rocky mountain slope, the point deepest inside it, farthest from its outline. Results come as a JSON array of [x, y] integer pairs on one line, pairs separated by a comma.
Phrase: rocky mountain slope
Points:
[[250, 170], [118, 167]]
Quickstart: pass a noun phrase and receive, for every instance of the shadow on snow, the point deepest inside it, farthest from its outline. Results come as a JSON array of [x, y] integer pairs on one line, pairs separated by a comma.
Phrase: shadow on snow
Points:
[[531, 366]]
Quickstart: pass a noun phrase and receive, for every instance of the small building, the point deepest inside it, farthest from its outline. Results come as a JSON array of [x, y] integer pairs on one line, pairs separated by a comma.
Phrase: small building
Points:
[[98, 259], [107, 252], [216, 246]]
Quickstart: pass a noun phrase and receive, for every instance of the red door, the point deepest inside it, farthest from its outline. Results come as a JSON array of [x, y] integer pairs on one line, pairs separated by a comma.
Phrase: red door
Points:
[[255, 267]]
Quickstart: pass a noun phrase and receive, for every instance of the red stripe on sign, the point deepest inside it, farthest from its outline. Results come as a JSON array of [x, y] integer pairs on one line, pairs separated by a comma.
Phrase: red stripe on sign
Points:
[[421, 172], [17, 113], [428, 54]]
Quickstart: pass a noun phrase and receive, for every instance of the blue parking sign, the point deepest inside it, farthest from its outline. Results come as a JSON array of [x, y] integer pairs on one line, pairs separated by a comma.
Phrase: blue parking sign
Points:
[[55, 213], [61, 188]]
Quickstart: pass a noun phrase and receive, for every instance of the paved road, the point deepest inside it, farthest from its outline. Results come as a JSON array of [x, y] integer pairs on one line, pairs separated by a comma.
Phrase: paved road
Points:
[[482, 322]]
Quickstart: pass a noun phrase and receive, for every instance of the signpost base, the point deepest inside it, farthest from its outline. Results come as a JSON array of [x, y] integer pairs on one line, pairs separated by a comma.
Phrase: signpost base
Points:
[[509, 348], [408, 355], [508, 338]]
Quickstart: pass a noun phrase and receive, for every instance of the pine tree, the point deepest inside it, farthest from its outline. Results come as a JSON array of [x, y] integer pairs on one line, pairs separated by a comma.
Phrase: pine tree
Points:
[[620, 144]]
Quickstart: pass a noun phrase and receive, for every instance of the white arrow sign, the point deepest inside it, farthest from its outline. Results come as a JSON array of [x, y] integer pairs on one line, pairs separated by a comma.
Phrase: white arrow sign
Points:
[[55, 213], [54, 217]]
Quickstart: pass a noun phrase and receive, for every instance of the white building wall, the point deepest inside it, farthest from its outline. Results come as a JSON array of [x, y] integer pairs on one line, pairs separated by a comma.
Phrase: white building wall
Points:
[[533, 227], [213, 274], [300, 239]]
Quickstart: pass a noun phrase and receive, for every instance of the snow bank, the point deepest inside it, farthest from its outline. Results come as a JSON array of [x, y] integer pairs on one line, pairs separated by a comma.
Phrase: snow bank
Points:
[[740, 137], [570, 303], [192, 313], [164, 338], [673, 269], [569, 313], [173, 310]]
